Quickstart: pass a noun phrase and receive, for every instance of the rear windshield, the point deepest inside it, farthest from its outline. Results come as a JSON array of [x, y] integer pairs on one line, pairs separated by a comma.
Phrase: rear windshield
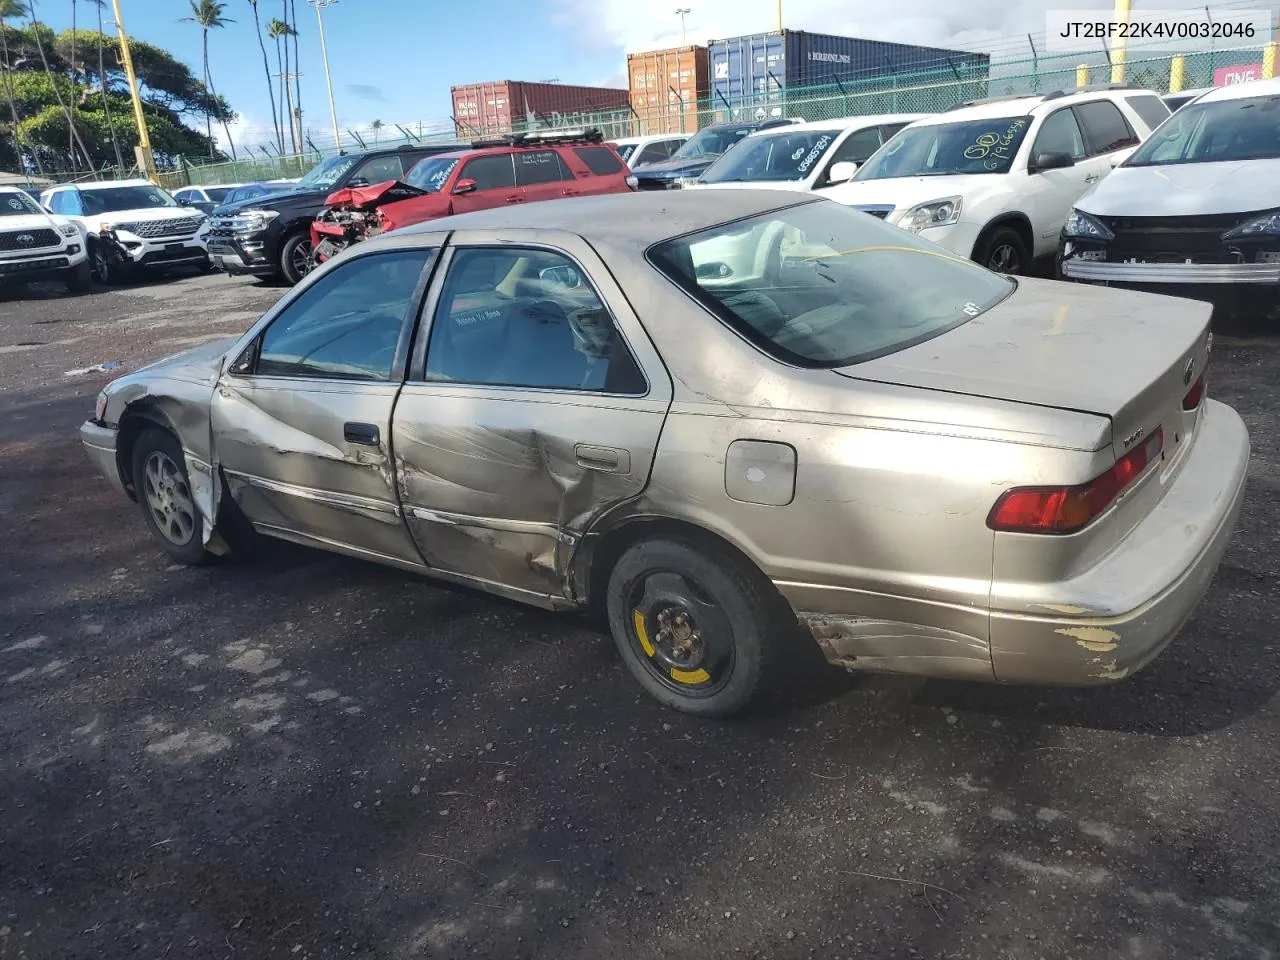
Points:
[[773, 156], [940, 149], [822, 285], [1245, 129]]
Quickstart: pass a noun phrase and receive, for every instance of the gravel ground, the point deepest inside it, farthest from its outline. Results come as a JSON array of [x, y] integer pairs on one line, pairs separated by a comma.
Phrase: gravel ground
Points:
[[308, 756]]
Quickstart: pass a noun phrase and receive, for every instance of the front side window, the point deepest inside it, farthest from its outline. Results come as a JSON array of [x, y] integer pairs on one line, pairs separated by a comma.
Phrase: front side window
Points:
[[217, 194], [112, 199], [518, 317], [773, 157], [326, 174], [491, 171], [346, 325], [822, 285], [1247, 128], [943, 149], [1105, 127], [17, 204], [540, 166], [432, 173], [858, 147], [1150, 108], [1060, 134], [655, 152], [381, 169]]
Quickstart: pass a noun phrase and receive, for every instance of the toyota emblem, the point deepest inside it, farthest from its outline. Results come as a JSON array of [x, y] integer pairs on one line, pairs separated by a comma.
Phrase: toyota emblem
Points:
[[26, 239], [1188, 371]]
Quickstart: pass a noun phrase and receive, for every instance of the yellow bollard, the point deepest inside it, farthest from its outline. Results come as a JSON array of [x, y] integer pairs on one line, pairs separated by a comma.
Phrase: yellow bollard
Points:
[[1269, 61], [1082, 76], [1120, 44], [1177, 73]]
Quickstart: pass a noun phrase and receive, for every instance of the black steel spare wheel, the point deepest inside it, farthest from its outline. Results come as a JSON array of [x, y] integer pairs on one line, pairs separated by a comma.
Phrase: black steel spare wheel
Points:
[[696, 627]]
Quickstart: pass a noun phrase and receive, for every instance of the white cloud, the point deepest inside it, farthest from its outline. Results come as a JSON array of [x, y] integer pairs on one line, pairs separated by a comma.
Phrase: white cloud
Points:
[[247, 130]]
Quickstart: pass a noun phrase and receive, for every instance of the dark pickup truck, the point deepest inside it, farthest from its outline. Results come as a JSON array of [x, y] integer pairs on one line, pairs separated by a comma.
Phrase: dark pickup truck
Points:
[[271, 236]]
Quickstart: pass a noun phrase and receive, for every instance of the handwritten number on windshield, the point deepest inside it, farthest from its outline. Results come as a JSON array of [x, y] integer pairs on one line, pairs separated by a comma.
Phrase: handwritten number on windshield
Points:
[[994, 148]]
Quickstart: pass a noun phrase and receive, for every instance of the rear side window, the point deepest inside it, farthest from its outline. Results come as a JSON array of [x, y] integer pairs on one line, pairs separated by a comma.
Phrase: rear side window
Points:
[[490, 172], [1150, 108], [1105, 127], [540, 166], [599, 160], [381, 169]]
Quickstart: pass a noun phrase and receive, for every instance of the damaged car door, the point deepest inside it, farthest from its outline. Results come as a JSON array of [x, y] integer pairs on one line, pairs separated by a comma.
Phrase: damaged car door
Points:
[[301, 418], [533, 406]]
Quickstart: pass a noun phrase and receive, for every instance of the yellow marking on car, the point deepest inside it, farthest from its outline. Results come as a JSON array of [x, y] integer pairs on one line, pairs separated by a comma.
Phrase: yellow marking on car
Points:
[[690, 676], [637, 621]]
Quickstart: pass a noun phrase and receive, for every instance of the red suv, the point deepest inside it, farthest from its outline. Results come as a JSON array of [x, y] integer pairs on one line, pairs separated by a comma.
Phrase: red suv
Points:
[[520, 168]]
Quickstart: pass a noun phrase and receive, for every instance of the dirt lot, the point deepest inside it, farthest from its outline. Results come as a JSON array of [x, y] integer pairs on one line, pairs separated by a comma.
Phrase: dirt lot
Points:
[[311, 757]]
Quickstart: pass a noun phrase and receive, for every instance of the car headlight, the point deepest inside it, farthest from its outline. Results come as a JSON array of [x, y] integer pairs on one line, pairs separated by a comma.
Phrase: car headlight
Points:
[[67, 229], [935, 213], [1081, 226], [251, 221], [100, 406], [633, 181], [1267, 225]]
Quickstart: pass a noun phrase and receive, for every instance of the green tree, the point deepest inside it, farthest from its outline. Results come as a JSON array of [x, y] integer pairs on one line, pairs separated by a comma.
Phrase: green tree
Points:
[[12, 10], [266, 69], [102, 83], [376, 127], [208, 15], [73, 135]]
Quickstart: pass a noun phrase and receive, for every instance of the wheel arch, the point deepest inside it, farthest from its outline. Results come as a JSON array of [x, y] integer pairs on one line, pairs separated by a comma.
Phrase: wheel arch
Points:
[[1017, 221], [138, 416]]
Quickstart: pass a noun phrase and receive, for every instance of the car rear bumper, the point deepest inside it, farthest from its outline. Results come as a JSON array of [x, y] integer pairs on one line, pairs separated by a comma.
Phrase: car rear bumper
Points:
[[100, 444], [1124, 611], [1075, 269]]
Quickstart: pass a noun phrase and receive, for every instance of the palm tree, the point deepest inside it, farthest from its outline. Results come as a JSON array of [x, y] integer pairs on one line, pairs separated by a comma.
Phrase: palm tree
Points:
[[278, 29], [266, 68], [297, 65], [10, 10], [75, 134], [102, 82], [209, 15], [376, 127]]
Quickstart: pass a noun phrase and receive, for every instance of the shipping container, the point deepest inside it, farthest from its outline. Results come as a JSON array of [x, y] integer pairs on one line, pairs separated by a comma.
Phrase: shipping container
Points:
[[756, 70], [666, 86], [487, 109]]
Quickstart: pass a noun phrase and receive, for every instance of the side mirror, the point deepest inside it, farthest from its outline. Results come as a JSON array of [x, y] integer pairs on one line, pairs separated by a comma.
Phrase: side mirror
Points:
[[842, 171], [358, 182], [184, 202], [562, 276], [464, 185], [1052, 161]]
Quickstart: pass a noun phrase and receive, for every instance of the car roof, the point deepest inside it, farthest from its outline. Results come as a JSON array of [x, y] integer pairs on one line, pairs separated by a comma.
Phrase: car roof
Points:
[[106, 184], [843, 123], [631, 220], [1240, 91], [623, 141], [1194, 92]]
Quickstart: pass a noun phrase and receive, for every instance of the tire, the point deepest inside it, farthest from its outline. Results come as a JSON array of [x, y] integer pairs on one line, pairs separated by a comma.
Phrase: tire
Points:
[[205, 266], [295, 252], [79, 279], [719, 659], [1003, 246], [106, 265], [164, 494]]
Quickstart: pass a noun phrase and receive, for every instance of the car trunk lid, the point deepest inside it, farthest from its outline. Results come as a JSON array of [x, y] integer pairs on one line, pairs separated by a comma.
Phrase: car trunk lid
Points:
[[1128, 356]]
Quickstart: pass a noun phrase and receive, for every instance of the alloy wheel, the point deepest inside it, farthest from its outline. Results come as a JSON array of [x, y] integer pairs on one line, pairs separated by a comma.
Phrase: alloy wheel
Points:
[[169, 498]]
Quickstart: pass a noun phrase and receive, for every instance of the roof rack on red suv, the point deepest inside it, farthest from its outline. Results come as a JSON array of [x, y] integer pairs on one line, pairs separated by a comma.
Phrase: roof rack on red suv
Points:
[[542, 138]]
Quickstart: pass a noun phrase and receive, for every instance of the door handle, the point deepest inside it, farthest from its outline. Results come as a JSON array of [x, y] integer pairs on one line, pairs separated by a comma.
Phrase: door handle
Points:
[[515, 198], [1092, 178], [570, 193], [608, 459], [365, 433]]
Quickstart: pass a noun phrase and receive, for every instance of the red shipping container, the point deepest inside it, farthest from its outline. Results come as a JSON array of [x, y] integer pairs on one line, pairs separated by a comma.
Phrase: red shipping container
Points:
[[486, 109], [666, 86]]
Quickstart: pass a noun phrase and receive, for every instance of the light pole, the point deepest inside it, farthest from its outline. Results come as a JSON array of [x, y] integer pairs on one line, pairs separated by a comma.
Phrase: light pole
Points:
[[683, 12], [328, 77], [146, 159]]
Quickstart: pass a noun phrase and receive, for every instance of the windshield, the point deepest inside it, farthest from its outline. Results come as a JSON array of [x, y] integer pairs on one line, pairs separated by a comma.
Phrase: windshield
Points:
[[822, 285], [941, 149], [625, 150], [17, 205], [327, 173], [110, 199], [217, 194], [775, 156], [1246, 129], [711, 142], [432, 173]]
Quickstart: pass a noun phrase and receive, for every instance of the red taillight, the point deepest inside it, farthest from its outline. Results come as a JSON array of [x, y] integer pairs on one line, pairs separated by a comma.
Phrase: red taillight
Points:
[[1068, 509], [1194, 395]]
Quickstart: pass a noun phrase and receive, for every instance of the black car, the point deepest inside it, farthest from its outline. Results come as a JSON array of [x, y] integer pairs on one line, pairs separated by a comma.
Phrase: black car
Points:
[[696, 154], [270, 236]]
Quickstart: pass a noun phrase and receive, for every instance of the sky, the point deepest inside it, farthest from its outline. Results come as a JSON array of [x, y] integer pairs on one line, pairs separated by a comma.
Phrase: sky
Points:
[[394, 60]]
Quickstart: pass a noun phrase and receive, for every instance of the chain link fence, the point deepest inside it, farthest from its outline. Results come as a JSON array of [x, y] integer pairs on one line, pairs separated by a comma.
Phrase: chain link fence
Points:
[[926, 92]]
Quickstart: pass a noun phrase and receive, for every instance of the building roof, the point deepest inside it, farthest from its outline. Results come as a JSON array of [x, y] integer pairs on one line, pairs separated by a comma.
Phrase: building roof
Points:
[[22, 180]]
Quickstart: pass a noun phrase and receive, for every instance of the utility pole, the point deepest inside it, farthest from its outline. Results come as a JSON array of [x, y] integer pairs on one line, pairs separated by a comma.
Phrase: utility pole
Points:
[[142, 152], [295, 115], [683, 12], [1120, 43], [324, 50], [779, 16]]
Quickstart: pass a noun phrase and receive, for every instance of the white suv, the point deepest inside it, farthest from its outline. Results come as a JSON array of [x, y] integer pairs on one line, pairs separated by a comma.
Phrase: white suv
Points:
[[35, 245], [994, 180], [133, 224]]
